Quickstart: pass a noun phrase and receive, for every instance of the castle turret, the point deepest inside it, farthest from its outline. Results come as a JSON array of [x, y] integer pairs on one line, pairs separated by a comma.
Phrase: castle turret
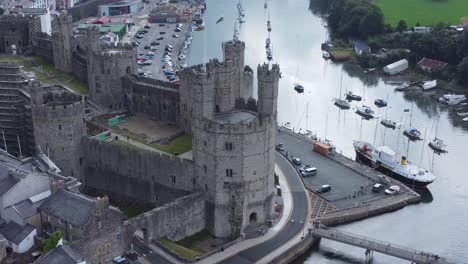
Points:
[[268, 89], [106, 66], [59, 126], [233, 144], [61, 41]]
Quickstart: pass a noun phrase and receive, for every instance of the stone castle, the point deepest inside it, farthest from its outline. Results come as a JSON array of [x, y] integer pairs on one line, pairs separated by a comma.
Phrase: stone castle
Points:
[[227, 186]]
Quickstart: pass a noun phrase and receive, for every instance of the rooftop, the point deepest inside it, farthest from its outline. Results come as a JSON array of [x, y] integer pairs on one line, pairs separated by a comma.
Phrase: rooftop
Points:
[[61, 255], [15, 233], [234, 117], [434, 65], [73, 208]]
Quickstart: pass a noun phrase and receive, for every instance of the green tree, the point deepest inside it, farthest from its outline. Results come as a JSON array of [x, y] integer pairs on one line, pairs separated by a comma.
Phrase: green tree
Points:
[[51, 242], [402, 26], [462, 71]]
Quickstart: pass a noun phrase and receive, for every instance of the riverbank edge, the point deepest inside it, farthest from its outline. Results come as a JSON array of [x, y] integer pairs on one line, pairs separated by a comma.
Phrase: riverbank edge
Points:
[[366, 210]]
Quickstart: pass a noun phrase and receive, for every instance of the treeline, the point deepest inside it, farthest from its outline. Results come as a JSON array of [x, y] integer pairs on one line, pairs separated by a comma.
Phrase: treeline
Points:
[[351, 18]]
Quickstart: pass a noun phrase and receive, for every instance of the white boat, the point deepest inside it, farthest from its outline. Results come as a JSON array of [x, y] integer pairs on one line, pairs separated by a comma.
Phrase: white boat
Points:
[[365, 112], [343, 104], [387, 161], [438, 145], [288, 126], [429, 85], [325, 55], [452, 99], [388, 123], [462, 113], [465, 119]]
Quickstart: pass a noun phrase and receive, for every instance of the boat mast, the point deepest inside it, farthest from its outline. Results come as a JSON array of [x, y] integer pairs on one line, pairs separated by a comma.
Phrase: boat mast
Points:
[[422, 149], [307, 115]]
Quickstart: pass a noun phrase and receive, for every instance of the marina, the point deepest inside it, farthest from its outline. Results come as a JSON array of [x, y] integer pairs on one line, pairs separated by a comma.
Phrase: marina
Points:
[[321, 80]]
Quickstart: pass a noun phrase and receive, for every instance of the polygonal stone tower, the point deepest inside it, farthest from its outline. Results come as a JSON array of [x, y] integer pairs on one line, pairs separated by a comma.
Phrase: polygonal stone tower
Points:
[[233, 145], [106, 66], [61, 41], [59, 126]]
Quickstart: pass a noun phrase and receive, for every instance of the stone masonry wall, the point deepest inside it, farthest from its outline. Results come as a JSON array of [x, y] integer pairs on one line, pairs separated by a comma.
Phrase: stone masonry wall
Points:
[[177, 220], [138, 174], [158, 99]]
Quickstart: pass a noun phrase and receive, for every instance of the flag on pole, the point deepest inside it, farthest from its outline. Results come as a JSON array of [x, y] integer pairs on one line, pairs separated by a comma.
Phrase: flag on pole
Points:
[[219, 20]]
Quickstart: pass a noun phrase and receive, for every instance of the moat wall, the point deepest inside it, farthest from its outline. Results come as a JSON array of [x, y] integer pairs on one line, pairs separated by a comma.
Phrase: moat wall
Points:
[[137, 174]]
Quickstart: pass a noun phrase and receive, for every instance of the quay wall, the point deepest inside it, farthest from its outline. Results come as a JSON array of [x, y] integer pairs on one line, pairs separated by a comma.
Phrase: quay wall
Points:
[[373, 208], [297, 250], [135, 173]]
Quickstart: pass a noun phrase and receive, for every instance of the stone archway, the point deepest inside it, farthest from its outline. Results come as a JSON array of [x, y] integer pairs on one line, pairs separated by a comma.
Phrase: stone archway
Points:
[[253, 218]]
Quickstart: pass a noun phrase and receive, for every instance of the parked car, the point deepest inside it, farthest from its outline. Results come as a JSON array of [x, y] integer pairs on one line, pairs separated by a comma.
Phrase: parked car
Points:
[[161, 25], [153, 43], [177, 30], [394, 189], [179, 25], [297, 161], [378, 187], [169, 46], [175, 35], [303, 167], [160, 38], [147, 26], [147, 47], [162, 33], [307, 172], [280, 147], [145, 31], [324, 189], [139, 36]]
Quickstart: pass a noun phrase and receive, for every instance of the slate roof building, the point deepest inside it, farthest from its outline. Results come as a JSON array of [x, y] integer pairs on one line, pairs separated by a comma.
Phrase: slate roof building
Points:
[[431, 65], [20, 238], [62, 254], [89, 225]]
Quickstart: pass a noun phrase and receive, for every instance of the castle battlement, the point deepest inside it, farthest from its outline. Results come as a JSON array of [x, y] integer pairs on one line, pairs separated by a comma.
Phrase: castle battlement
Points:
[[257, 124], [265, 73]]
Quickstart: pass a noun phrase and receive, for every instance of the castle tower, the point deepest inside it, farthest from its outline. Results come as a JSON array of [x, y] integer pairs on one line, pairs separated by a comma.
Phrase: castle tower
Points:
[[59, 126], [268, 80], [106, 66], [233, 149], [61, 41], [234, 51]]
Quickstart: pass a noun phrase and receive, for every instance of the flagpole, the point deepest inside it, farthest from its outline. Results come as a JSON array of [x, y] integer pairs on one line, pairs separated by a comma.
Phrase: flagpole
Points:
[[4, 141]]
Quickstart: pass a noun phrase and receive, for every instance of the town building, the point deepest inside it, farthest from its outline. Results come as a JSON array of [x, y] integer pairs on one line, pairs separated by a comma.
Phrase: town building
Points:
[[360, 47], [62, 254], [166, 13], [119, 8], [431, 65], [89, 225], [422, 29], [19, 238]]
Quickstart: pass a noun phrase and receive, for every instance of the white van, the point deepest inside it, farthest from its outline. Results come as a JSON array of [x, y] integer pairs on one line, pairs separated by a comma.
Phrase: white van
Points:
[[312, 171]]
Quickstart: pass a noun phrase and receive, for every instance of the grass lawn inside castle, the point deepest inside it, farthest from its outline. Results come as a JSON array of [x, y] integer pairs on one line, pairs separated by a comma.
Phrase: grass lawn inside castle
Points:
[[424, 12], [46, 73]]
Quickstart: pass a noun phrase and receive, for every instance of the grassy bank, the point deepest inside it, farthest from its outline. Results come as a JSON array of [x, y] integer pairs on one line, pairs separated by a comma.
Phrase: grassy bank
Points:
[[179, 145], [426, 12], [47, 74], [189, 247]]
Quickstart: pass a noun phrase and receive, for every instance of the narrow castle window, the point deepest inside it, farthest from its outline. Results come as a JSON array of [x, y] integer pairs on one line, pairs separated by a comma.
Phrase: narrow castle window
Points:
[[217, 109], [60, 127], [99, 225], [205, 168], [173, 179], [228, 172], [228, 146], [206, 187]]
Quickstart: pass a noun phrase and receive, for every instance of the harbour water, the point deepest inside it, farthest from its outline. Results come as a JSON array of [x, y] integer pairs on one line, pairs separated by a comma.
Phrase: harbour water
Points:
[[440, 223]]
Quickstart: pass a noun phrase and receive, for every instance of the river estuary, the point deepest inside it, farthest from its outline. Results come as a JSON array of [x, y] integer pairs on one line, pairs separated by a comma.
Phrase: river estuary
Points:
[[440, 223]]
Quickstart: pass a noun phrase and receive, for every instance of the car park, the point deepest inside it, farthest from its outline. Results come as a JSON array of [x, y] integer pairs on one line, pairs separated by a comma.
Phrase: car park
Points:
[[324, 189], [392, 190], [378, 187], [297, 161]]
